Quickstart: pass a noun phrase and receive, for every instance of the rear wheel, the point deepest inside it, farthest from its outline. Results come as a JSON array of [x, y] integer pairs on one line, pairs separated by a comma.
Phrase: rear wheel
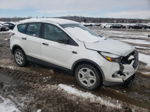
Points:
[[88, 77], [20, 57]]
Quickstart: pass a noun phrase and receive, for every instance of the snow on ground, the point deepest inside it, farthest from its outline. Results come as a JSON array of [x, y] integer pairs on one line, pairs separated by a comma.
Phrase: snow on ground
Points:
[[7, 106], [122, 34], [139, 47], [128, 34], [146, 73], [144, 58], [136, 41], [87, 95], [39, 110], [9, 67]]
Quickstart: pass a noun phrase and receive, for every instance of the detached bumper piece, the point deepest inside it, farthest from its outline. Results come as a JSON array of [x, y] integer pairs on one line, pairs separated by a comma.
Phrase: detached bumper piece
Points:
[[128, 83], [136, 61]]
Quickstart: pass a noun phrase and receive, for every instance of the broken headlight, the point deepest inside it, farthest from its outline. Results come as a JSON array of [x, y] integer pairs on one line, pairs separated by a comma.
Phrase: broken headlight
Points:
[[111, 57]]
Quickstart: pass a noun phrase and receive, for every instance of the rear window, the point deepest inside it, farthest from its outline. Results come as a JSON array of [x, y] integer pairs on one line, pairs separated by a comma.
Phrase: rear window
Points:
[[22, 28]]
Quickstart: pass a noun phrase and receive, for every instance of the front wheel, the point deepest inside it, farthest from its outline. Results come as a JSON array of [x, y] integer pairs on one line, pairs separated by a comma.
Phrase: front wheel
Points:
[[20, 57], [88, 77]]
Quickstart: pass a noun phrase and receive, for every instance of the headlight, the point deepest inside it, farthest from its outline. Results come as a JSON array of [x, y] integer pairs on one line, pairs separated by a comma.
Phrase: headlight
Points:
[[110, 57]]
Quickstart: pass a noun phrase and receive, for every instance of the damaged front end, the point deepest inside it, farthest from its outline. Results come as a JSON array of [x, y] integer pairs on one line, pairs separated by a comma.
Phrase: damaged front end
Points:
[[128, 66]]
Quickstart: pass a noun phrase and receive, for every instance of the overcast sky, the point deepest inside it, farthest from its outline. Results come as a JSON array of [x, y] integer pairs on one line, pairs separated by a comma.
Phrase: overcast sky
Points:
[[91, 8]]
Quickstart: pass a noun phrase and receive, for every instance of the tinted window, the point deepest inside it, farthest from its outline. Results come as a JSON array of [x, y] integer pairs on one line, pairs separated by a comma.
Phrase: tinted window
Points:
[[22, 28], [54, 33], [33, 29]]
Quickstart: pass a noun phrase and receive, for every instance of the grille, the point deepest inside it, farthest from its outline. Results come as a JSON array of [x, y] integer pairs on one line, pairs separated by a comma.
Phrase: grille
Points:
[[133, 56]]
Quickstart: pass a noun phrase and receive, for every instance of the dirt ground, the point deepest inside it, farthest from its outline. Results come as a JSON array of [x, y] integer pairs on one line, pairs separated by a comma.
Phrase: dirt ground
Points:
[[35, 88]]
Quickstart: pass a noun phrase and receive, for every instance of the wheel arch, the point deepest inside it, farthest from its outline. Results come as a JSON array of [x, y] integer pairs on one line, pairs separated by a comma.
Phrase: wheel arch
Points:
[[87, 61], [15, 47]]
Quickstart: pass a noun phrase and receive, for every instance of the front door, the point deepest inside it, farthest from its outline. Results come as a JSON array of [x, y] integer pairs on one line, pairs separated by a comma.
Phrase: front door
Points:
[[56, 47]]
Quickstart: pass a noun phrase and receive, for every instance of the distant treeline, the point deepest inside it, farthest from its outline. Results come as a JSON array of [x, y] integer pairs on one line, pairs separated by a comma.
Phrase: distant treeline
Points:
[[14, 19], [105, 20], [87, 19]]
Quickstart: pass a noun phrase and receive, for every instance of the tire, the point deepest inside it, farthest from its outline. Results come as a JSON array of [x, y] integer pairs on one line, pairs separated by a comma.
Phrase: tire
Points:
[[20, 57], [88, 77]]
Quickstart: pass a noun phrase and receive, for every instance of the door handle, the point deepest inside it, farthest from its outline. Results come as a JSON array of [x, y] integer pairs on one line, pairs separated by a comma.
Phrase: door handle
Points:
[[45, 44], [23, 38], [74, 52]]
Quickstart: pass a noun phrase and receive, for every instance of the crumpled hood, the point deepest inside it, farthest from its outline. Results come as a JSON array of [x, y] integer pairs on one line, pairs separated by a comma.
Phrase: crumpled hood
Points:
[[111, 46]]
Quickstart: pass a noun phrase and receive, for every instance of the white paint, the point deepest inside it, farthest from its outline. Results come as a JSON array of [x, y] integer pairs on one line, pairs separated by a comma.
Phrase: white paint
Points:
[[111, 46], [57, 53]]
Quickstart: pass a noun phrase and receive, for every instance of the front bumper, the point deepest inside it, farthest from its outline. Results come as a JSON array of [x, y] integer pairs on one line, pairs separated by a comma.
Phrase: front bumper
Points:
[[128, 75], [120, 73], [124, 82]]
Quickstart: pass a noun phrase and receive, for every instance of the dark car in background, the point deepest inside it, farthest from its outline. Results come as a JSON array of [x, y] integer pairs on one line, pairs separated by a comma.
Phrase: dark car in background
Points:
[[3, 27], [138, 26], [9, 25], [117, 26], [148, 26]]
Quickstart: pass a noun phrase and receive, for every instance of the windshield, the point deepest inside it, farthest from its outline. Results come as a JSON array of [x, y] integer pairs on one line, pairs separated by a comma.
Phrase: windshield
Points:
[[81, 32]]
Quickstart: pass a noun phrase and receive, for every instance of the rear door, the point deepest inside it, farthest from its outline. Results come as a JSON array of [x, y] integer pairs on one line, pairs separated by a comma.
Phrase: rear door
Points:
[[33, 40], [20, 38]]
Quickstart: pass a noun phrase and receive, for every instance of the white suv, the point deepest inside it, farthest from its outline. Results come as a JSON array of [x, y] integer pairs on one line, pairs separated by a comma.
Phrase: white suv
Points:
[[66, 44]]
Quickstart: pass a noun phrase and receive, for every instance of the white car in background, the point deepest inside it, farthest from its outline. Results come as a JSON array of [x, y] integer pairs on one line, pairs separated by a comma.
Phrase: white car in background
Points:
[[66, 44], [107, 25]]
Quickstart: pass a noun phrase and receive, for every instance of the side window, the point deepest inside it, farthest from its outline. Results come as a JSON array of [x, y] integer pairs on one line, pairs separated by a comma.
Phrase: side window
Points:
[[33, 29], [54, 33], [22, 28]]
